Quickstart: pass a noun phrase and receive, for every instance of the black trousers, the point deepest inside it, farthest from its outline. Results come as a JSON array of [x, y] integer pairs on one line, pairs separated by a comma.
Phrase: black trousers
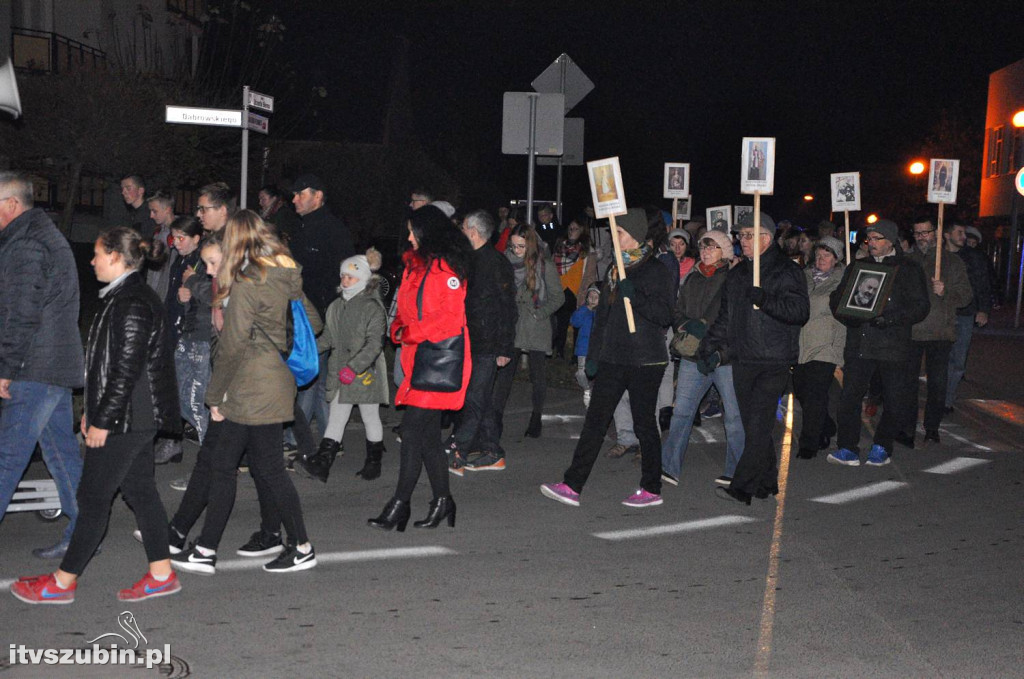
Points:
[[125, 463], [421, 447], [758, 390], [811, 384], [560, 323], [857, 374], [476, 428], [263, 443], [503, 384], [936, 368], [612, 382]]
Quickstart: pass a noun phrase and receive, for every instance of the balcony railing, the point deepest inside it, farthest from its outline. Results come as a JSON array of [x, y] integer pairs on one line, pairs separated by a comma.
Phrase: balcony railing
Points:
[[44, 51]]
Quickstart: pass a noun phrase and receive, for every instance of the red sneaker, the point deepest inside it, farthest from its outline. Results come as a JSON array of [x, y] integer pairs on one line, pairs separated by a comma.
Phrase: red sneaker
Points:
[[149, 587], [42, 589]]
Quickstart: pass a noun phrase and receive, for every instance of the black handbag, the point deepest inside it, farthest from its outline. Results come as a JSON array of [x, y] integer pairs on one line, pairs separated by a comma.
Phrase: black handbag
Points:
[[438, 365]]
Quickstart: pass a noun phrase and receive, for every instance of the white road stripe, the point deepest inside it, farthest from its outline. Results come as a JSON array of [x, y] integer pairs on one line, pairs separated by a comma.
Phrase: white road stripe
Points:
[[708, 436], [859, 493], [6, 584], [957, 464], [561, 419], [670, 529], [961, 439], [344, 557]]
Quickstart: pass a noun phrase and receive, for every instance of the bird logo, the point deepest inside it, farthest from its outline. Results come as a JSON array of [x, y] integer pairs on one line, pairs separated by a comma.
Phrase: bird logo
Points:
[[126, 620]]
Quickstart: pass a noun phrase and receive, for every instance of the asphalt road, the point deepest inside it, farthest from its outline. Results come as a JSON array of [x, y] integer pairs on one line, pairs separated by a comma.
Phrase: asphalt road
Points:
[[909, 570]]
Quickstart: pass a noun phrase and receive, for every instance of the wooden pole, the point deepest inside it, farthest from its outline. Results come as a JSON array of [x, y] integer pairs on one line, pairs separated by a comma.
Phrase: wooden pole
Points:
[[622, 272], [938, 244], [675, 212], [757, 240], [848, 260]]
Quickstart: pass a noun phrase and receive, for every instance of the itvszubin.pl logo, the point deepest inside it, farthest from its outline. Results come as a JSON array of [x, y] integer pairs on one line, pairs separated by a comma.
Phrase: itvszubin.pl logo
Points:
[[109, 654]]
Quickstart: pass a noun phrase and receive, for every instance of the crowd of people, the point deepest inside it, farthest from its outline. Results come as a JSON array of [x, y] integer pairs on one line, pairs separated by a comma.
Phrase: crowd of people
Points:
[[194, 332]]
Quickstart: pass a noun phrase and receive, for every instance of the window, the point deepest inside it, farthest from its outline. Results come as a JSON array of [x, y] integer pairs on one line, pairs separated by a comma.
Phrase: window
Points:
[[995, 160]]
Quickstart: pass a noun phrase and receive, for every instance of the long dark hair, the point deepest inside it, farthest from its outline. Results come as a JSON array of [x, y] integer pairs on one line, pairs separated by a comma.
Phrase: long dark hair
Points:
[[438, 238]]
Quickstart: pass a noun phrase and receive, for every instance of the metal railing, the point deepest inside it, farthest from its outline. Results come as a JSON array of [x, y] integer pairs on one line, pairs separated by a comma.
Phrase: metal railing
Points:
[[52, 53]]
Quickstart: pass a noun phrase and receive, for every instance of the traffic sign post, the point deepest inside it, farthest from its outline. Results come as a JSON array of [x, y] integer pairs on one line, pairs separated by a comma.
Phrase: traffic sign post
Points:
[[1018, 183], [532, 124]]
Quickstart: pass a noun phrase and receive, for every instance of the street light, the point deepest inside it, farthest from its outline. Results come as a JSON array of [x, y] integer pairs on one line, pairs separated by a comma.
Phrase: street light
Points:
[[1018, 122], [808, 197], [872, 218], [916, 167], [1018, 119]]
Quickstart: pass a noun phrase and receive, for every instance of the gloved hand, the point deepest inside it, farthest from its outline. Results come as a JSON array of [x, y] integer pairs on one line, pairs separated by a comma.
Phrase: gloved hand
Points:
[[707, 365], [756, 295], [347, 375], [590, 369], [696, 328], [881, 322], [627, 289]]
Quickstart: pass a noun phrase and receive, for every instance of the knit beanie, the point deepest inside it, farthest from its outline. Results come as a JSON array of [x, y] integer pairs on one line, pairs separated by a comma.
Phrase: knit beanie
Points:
[[358, 267], [722, 240], [634, 222], [834, 245]]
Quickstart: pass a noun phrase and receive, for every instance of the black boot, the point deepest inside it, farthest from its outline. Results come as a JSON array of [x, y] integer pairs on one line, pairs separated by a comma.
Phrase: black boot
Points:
[[319, 466], [665, 418], [395, 514], [371, 468], [439, 509], [533, 431], [696, 418]]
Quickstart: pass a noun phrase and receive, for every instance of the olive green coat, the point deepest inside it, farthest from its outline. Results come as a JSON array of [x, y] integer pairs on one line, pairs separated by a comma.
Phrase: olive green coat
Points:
[[822, 338], [354, 334], [940, 323], [533, 328]]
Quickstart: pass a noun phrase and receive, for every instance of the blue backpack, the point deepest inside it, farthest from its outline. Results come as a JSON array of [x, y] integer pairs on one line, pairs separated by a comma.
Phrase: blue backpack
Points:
[[300, 354]]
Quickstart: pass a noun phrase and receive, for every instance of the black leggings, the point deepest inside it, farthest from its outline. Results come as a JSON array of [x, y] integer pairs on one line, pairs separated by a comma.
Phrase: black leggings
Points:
[[538, 380], [421, 447], [263, 443], [125, 462]]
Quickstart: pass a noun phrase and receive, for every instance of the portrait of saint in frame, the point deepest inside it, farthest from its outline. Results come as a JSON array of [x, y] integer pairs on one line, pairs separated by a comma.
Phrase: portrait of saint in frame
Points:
[[866, 290], [719, 218], [677, 180], [758, 165], [846, 192], [606, 187], [943, 177]]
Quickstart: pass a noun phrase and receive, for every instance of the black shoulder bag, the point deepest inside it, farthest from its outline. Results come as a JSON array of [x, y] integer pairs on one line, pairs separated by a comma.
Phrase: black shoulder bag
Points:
[[438, 365]]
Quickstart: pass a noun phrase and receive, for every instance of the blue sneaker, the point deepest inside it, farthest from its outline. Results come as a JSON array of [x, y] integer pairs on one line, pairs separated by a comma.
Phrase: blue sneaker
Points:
[[845, 456], [878, 456]]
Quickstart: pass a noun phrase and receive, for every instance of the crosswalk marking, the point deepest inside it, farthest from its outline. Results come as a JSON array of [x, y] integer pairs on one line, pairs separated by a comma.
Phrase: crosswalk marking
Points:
[[346, 557], [867, 491], [957, 464], [671, 529]]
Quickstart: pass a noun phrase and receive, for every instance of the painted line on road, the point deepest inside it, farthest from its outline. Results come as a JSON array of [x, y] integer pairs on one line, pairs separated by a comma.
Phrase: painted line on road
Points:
[[347, 557], [961, 439], [707, 436], [673, 528], [957, 464], [861, 493], [561, 419]]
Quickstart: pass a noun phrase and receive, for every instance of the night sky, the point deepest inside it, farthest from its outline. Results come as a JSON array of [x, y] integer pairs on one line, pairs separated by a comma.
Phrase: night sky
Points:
[[841, 85]]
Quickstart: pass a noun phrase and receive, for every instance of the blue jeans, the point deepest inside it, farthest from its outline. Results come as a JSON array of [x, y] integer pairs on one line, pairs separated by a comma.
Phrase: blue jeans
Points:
[[690, 389], [958, 356], [40, 413], [192, 364]]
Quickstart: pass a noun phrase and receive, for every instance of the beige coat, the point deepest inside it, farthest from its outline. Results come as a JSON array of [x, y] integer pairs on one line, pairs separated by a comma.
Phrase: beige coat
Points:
[[823, 338]]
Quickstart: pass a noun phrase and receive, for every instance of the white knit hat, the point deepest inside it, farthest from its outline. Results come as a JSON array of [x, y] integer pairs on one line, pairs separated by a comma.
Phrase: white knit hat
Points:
[[722, 240]]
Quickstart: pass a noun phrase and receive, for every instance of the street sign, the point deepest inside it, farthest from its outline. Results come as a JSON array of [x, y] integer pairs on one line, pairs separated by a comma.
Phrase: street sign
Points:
[[188, 115], [264, 102], [515, 123], [1019, 181], [258, 123], [575, 85], [572, 148]]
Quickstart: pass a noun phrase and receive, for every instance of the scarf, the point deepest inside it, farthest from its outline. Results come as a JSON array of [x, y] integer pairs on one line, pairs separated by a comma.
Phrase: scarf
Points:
[[630, 257], [708, 269], [566, 255], [540, 294], [819, 276]]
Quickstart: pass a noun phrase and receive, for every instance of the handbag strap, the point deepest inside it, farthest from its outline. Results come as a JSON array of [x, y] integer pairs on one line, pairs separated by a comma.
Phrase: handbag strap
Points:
[[419, 293]]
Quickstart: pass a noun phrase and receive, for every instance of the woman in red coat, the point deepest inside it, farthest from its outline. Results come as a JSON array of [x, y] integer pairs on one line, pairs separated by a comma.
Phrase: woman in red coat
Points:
[[431, 308]]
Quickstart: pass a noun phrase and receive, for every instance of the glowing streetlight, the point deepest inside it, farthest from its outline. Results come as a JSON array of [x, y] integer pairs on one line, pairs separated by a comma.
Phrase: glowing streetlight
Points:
[[808, 197], [1018, 118], [916, 167], [872, 218]]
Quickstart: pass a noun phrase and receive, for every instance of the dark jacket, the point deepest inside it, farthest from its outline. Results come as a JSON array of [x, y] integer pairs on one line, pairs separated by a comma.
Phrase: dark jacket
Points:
[[130, 363], [610, 339], [319, 247], [39, 336], [197, 324], [940, 323], [700, 298], [978, 273], [491, 311], [771, 333], [906, 305]]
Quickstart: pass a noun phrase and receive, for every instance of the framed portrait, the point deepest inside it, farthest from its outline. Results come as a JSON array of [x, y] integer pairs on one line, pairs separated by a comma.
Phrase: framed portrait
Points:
[[720, 218], [866, 290], [684, 210], [758, 165], [677, 180], [943, 175], [740, 210], [845, 191], [606, 187]]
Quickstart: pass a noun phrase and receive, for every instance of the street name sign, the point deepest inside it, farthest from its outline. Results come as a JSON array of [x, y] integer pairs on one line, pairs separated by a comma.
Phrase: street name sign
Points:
[[258, 123], [188, 115], [264, 102]]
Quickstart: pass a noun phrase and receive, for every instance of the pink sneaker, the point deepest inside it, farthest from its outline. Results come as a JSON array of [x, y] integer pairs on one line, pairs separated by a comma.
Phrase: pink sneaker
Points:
[[641, 498], [561, 492]]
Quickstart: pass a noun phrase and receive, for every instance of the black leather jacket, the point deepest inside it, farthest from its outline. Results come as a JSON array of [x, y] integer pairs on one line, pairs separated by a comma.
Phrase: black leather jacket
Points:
[[129, 363]]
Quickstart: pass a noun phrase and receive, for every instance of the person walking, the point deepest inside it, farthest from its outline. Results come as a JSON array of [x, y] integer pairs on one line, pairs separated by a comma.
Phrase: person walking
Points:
[[431, 317], [130, 394]]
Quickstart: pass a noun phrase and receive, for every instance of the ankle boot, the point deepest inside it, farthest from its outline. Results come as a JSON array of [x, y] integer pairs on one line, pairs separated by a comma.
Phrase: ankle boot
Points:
[[371, 468], [533, 431], [395, 515], [439, 509], [319, 466]]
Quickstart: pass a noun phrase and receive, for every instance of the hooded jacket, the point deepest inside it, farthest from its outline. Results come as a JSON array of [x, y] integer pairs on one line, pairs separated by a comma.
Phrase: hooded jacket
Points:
[[354, 332]]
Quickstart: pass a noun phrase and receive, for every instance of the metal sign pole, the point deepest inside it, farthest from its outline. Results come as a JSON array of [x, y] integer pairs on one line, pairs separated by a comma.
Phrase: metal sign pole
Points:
[[558, 187], [244, 186], [531, 157]]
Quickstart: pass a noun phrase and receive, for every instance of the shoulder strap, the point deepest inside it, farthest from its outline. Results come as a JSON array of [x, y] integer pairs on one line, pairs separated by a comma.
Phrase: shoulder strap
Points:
[[419, 293]]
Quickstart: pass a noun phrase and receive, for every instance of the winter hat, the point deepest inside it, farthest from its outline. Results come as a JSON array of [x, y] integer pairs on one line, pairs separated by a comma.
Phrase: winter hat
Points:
[[746, 220], [974, 233], [593, 288], [833, 245], [722, 240], [444, 206], [679, 233], [634, 222], [358, 267], [885, 228], [308, 181]]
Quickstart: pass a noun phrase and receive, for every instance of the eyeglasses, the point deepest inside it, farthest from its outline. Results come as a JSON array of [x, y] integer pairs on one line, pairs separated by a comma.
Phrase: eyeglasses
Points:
[[924, 233], [750, 235], [201, 209], [708, 246], [517, 248], [874, 239]]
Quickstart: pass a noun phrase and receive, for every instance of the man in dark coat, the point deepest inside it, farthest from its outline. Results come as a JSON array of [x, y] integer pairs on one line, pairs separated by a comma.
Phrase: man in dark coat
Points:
[[975, 313], [491, 315], [758, 330], [41, 358], [880, 345], [133, 190]]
